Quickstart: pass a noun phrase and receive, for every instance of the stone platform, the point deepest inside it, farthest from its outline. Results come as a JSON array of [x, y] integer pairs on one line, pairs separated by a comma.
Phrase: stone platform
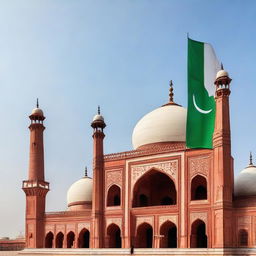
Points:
[[138, 252]]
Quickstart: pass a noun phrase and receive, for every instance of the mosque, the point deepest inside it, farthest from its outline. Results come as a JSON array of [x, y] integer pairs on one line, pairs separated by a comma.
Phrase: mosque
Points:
[[161, 194]]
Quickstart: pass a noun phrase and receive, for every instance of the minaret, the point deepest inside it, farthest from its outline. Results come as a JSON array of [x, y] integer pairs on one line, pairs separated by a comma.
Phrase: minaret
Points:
[[98, 126], [223, 179], [35, 187]]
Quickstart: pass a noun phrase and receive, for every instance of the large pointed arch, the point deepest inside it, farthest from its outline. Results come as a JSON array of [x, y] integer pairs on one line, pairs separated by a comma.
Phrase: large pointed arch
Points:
[[49, 240], [144, 236], [59, 240], [199, 188], [168, 234], [84, 239], [114, 196], [154, 188], [114, 236], [198, 237], [70, 239]]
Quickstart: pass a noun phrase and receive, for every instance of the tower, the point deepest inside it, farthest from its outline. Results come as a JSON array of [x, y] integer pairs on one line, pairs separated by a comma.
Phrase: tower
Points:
[[98, 126], [35, 187], [223, 164]]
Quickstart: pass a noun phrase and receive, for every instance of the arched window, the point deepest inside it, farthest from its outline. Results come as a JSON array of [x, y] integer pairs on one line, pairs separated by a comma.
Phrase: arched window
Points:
[[59, 240], [114, 235], [84, 239], [70, 239], [198, 238], [168, 232], [113, 198], [243, 237], [49, 240], [198, 188], [144, 237], [154, 188]]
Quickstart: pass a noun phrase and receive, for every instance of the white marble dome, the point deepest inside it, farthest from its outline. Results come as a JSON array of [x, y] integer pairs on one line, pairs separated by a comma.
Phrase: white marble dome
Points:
[[222, 73], [80, 191], [98, 117], [245, 182], [37, 112], [164, 124]]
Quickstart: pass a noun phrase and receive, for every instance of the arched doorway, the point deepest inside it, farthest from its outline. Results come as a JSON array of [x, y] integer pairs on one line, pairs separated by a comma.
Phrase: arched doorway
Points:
[[243, 237], [168, 232], [198, 238], [144, 237], [114, 235], [49, 240], [198, 188], [70, 239], [113, 198], [59, 240], [84, 239], [154, 188]]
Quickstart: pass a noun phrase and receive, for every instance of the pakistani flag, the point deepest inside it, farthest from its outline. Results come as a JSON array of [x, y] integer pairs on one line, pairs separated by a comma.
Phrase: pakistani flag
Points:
[[202, 69]]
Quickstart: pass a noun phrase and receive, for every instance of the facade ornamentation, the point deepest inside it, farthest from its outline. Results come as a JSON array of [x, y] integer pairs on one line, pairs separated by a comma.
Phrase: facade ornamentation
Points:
[[140, 220], [168, 167], [60, 228], [81, 226], [198, 215], [199, 165], [117, 221], [113, 177], [171, 218]]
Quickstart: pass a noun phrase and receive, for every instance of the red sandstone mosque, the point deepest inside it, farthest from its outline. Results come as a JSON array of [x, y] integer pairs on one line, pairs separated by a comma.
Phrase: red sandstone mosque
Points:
[[158, 195]]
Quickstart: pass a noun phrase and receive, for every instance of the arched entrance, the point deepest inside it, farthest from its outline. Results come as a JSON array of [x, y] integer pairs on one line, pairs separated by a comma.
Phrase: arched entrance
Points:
[[198, 238], [114, 235], [49, 240], [168, 232], [70, 239], [59, 240], [154, 188], [84, 239], [113, 198], [144, 237], [198, 188], [243, 237]]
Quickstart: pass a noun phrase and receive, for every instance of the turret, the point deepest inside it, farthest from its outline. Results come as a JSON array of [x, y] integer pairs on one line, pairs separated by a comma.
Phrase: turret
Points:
[[98, 126], [223, 163], [35, 187]]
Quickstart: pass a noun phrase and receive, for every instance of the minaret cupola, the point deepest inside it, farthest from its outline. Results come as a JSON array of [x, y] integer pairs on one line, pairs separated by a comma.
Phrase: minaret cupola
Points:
[[222, 81], [98, 121], [37, 114]]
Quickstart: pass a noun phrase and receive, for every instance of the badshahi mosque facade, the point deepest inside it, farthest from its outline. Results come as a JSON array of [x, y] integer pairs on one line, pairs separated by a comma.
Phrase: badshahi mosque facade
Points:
[[161, 194]]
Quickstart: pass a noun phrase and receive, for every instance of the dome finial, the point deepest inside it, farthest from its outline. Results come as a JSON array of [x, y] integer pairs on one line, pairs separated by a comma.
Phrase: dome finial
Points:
[[221, 66], [85, 172], [98, 110], [251, 158], [171, 92], [37, 103]]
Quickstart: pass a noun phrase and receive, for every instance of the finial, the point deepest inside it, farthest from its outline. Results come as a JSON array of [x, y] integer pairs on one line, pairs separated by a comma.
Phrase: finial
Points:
[[98, 110], [171, 92], [251, 158], [221, 66], [37, 103], [85, 172]]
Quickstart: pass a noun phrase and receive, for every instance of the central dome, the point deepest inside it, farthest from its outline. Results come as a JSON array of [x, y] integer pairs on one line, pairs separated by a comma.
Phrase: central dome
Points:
[[164, 124]]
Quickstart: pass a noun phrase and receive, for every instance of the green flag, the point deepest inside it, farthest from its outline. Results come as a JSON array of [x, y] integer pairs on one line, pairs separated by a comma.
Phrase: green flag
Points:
[[202, 69]]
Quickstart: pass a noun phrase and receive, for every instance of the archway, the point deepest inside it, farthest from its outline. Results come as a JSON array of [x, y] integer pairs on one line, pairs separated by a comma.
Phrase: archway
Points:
[[243, 237], [154, 188], [84, 239], [113, 198], [198, 238], [70, 239], [59, 240], [114, 234], [144, 237], [198, 188], [49, 240], [168, 232]]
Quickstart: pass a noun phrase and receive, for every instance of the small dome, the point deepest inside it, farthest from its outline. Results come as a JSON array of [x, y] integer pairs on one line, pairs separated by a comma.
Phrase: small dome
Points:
[[37, 112], [222, 73], [245, 182], [98, 117], [80, 192], [164, 124]]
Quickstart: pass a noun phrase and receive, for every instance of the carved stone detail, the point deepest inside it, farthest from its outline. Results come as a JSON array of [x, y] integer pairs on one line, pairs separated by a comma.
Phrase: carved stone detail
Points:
[[171, 218], [244, 220], [117, 221], [199, 165], [140, 220], [48, 228], [70, 227], [82, 226], [60, 228], [114, 177], [169, 167], [198, 215]]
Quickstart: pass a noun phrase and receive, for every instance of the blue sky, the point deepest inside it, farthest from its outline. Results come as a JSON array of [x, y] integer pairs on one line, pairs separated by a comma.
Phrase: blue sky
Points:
[[75, 55]]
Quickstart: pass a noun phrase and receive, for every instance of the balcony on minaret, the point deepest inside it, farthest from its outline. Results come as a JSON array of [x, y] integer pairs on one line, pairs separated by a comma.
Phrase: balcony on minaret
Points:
[[222, 83]]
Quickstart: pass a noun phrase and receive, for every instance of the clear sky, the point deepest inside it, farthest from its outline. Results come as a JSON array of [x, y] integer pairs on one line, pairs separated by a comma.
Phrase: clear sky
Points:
[[77, 54]]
